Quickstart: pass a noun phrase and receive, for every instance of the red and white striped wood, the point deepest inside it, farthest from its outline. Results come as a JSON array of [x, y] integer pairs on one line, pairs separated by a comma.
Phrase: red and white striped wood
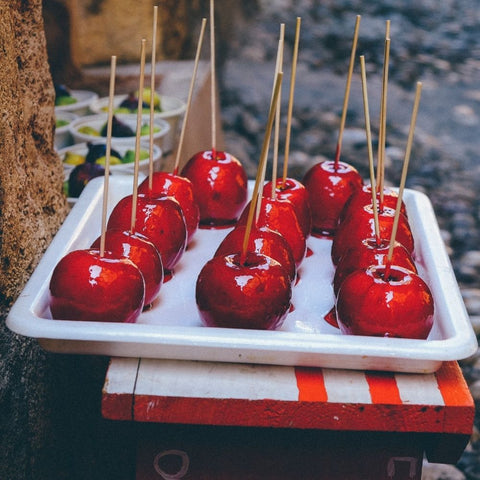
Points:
[[212, 393]]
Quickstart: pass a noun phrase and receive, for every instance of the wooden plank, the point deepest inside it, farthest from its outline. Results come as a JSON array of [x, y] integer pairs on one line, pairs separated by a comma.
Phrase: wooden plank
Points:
[[214, 393], [118, 389]]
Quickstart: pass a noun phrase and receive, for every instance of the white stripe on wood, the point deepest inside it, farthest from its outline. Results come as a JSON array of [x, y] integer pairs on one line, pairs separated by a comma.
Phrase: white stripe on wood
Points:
[[121, 375], [419, 389], [177, 378], [346, 386]]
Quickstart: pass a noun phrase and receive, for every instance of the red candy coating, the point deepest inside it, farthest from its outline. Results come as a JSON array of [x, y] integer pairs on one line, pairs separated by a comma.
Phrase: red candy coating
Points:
[[361, 226], [279, 215], [251, 294], [86, 286], [161, 220], [141, 252], [261, 240], [297, 194], [329, 190], [220, 187], [181, 189], [400, 306]]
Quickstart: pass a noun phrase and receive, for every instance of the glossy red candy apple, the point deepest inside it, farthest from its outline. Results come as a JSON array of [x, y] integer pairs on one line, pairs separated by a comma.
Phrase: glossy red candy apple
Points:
[[160, 219], [280, 216], [357, 228], [251, 293], [329, 188], [219, 185], [141, 252], [363, 197], [87, 286], [398, 306], [297, 194], [181, 189], [370, 252], [261, 240]]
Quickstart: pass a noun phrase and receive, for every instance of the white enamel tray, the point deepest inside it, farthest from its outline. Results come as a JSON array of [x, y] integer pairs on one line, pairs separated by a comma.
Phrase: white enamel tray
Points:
[[172, 328]]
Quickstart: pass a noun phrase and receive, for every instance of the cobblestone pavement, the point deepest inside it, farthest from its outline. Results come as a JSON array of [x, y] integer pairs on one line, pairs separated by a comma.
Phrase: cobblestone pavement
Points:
[[437, 43]]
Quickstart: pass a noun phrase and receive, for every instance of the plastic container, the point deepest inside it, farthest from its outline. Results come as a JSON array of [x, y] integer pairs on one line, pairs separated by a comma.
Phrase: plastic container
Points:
[[98, 121], [81, 106], [63, 136], [173, 109], [121, 148]]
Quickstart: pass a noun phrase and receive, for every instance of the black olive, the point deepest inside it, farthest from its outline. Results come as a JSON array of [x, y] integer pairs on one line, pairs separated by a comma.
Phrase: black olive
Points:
[[119, 129], [81, 175]]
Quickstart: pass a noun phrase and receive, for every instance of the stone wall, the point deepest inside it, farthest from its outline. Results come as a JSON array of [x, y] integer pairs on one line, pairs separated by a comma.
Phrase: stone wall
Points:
[[31, 202]]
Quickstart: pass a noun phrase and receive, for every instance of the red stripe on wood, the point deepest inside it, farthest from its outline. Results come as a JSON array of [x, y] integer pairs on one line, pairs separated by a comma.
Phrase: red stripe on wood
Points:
[[310, 384], [452, 385], [459, 406], [117, 406], [292, 414], [383, 388]]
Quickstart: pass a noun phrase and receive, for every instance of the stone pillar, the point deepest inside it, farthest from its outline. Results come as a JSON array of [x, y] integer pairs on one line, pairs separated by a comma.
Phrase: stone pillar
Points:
[[49, 404], [31, 202]]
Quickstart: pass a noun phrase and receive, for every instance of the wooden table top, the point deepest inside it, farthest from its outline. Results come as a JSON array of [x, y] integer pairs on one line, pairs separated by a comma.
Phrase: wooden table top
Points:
[[213, 393]]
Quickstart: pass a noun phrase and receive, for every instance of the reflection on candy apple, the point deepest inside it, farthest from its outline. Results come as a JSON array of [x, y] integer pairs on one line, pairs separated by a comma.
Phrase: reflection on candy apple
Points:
[[251, 293], [141, 252], [297, 194], [370, 252], [220, 187], [161, 220], [355, 229], [279, 215], [329, 189], [86, 286], [363, 197], [398, 306], [261, 240], [180, 188]]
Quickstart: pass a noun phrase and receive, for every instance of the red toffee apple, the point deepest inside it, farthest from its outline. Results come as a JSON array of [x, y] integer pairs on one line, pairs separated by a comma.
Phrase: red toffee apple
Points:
[[142, 253], [251, 293], [261, 240], [363, 197], [370, 252], [160, 220], [398, 306], [220, 187], [279, 215], [86, 286], [297, 194], [329, 188], [355, 229], [178, 187]]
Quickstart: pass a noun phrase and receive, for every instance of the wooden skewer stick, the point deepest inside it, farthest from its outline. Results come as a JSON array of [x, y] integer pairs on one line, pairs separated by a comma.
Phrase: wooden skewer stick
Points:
[[383, 118], [152, 94], [213, 79], [262, 171], [137, 137], [403, 178], [276, 136], [370, 150], [113, 64], [263, 159], [347, 92], [189, 99], [293, 77]]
